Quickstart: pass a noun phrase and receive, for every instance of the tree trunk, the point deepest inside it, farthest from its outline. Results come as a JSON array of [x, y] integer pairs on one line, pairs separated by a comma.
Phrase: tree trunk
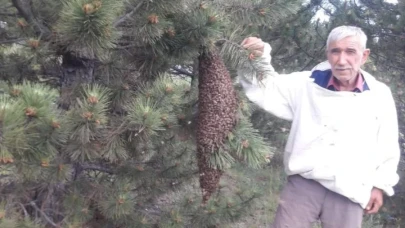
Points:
[[76, 72]]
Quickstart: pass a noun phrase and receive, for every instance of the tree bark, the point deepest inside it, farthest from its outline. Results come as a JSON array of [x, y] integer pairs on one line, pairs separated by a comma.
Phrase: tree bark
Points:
[[25, 10], [76, 72]]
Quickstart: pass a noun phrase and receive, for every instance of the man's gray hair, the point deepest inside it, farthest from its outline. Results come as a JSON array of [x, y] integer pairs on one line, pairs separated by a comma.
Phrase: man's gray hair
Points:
[[342, 32]]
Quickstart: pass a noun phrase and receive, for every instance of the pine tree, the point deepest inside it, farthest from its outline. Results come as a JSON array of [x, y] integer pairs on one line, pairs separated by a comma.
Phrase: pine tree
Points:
[[300, 43], [102, 114]]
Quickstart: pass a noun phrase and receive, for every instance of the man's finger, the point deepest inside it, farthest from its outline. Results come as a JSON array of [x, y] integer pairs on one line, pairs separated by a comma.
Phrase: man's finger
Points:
[[369, 209], [253, 45], [249, 40], [374, 209], [257, 53], [244, 41], [370, 204]]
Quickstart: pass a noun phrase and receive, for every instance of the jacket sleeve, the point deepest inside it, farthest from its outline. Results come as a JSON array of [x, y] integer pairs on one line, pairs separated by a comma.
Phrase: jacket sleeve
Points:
[[275, 92], [386, 176]]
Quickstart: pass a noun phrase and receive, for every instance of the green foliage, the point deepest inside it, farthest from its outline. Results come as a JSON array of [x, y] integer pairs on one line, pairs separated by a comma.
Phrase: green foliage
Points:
[[77, 208], [48, 11], [244, 145], [8, 223], [156, 107], [85, 121], [248, 145], [29, 224], [26, 118], [85, 27], [145, 116], [117, 203]]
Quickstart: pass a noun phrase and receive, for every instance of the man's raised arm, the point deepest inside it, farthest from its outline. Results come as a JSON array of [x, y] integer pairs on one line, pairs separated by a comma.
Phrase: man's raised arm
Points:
[[273, 92]]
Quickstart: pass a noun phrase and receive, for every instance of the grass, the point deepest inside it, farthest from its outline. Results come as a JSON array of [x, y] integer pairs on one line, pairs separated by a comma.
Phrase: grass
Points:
[[262, 215]]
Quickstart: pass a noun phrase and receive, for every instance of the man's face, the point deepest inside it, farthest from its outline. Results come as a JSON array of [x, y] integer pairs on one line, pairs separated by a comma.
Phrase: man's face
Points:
[[346, 56]]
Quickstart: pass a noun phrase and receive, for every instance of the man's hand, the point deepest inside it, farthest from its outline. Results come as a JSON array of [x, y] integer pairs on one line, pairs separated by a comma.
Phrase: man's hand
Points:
[[254, 45], [376, 201]]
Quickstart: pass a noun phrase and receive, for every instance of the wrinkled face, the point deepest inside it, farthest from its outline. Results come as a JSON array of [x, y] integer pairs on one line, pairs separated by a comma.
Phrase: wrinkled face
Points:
[[346, 56]]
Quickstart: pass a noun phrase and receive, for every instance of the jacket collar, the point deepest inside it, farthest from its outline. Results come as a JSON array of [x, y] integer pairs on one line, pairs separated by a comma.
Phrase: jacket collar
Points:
[[325, 66]]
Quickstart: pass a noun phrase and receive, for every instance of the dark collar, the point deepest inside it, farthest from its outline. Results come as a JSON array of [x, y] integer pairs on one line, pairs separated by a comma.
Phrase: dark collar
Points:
[[322, 79]]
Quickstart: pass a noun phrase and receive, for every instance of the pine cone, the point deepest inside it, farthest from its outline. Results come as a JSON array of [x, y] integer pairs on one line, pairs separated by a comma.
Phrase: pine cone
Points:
[[217, 116]]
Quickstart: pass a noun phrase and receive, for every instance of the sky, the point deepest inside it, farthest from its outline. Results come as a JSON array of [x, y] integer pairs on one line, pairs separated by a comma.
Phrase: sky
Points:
[[320, 14]]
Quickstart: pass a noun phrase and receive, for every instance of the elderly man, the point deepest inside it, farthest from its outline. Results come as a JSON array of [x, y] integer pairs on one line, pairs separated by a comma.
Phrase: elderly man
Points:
[[342, 152]]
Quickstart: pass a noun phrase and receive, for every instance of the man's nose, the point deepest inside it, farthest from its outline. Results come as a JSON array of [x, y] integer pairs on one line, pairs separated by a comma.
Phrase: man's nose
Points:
[[341, 59]]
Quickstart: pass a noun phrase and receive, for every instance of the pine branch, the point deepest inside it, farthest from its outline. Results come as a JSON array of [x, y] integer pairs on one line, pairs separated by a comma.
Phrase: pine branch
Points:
[[386, 59], [126, 47], [182, 71], [34, 205], [328, 11], [11, 41], [6, 7], [303, 49], [97, 168], [306, 65], [24, 210], [319, 35], [150, 210], [7, 14], [4, 176], [128, 15], [24, 8]]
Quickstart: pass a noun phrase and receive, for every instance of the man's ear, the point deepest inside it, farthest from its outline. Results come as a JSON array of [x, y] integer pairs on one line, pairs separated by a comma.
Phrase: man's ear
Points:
[[366, 53]]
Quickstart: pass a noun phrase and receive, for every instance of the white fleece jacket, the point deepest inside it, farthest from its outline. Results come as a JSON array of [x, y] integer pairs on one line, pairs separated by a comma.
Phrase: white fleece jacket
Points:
[[346, 141]]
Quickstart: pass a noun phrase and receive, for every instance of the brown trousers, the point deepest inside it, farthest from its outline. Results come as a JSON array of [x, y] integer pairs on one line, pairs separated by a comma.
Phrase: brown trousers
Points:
[[304, 202]]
